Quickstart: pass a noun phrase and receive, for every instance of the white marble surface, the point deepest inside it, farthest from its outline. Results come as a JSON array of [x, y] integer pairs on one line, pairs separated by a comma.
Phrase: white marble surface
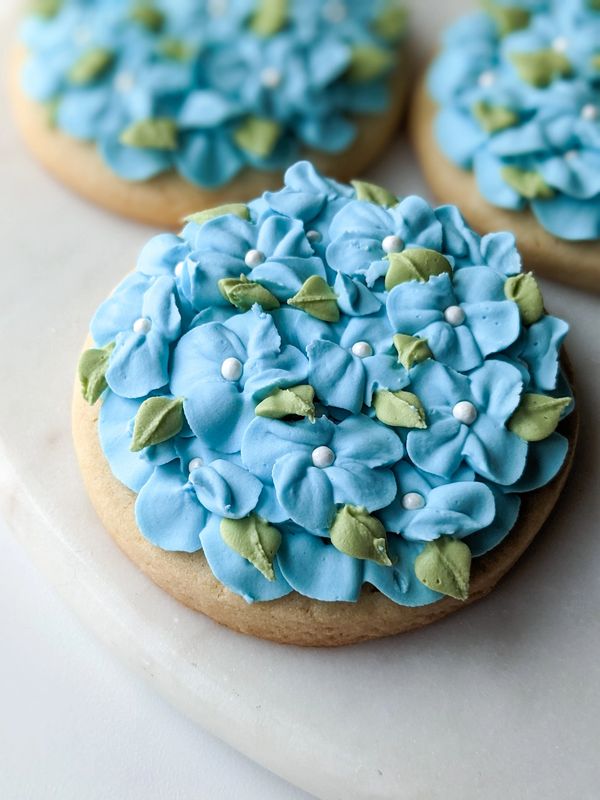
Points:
[[499, 700]]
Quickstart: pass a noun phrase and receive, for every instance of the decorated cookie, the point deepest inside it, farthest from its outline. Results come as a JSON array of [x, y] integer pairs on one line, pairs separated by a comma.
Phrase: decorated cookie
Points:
[[157, 109], [327, 415], [508, 126]]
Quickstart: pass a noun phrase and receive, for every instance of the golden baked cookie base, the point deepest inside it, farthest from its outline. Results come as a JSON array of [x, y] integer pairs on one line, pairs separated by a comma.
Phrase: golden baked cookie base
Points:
[[165, 200], [575, 263], [293, 619]]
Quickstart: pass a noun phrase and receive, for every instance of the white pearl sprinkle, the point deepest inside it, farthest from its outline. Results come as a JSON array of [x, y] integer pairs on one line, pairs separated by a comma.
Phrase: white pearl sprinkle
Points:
[[82, 35], [590, 112], [323, 457], [454, 315], [486, 79], [412, 501], [217, 8], [231, 369], [362, 349], [571, 154], [270, 77], [560, 44], [392, 244], [124, 82], [195, 463], [179, 269], [142, 325], [314, 237], [465, 412], [335, 11], [254, 258]]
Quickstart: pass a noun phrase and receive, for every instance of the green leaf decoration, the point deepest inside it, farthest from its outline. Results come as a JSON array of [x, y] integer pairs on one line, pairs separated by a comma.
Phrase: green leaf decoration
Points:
[[317, 299], [356, 533], [159, 133], [415, 264], [253, 539], [374, 194], [537, 416], [90, 65], [237, 209], [92, 372], [444, 565], [158, 419], [524, 291], [411, 350], [507, 18], [52, 107], [175, 49], [399, 409], [494, 118], [148, 16], [46, 8], [527, 183], [392, 22], [368, 62], [243, 294], [594, 5], [595, 60], [541, 67], [270, 17], [297, 401], [258, 135]]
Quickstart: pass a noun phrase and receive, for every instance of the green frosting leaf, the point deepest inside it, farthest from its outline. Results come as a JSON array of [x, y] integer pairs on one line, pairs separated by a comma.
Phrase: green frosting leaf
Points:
[[358, 534], [374, 194], [411, 350], [524, 291], [537, 416], [158, 419], [90, 65], [415, 264], [507, 18], [541, 67], [258, 135], [527, 183], [444, 565], [595, 60], [367, 62], [238, 209], [148, 16], [594, 5], [175, 49], [243, 294], [255, 540], [317, 299], [92, 372], [494, 118], [46, 8], [270, 17], [392, 22], [159, 133], [297, 401], [399, 409]]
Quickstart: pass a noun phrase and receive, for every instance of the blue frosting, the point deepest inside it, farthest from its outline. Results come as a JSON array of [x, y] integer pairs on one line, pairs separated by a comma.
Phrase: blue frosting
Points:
[[174, 332], [554, 131], [208, 72]]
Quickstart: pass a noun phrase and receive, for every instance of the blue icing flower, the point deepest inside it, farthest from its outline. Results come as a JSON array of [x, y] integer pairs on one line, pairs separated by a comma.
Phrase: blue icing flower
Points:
[[399, 581], [507, 512], [539, 348], [316, 466], [464, 320]]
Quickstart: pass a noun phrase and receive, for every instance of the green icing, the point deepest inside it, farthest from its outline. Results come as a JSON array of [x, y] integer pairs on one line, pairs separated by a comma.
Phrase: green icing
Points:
[[399, 409], [297, 401], [258, 135], [527, 183], [243, 294], [90, 65], [238, 209], [255, 540], [51, 107], [411, 350], [416, 263], [494, 118], [46, 8], [175, 49], [444, 565], [158, 419], [507, 18], [392, 22], [159, 133], [541, 67], [594, 5], [270, 17], [368, 62], [523, 290], [318, 299], [92, 372], [149, 16], [374, 194], [356, 533], [595, 61], [537, 416]]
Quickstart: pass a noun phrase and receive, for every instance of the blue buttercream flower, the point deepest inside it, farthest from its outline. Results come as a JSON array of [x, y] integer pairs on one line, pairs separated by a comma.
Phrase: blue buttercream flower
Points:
[[539, 348]]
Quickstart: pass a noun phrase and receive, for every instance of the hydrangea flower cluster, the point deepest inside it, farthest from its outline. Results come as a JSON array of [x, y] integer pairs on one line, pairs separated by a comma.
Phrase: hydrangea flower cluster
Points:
[[329, 387], [518, 87], [208, 87]]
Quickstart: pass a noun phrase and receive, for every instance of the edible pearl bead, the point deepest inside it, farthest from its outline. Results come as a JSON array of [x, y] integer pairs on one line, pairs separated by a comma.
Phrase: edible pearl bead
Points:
[[335, 11], [124, 82], [413, 500], [560, 44], [590, 112], [231, 369], [454, 315], [82, 35], [323, 456], [195, 463], [217, 8], [392, 244], [179, 269], [142, 325], [486, 79], [465, 412], [362, 349], [270, 77], [254, 258], [314, 237], [571, 154]]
